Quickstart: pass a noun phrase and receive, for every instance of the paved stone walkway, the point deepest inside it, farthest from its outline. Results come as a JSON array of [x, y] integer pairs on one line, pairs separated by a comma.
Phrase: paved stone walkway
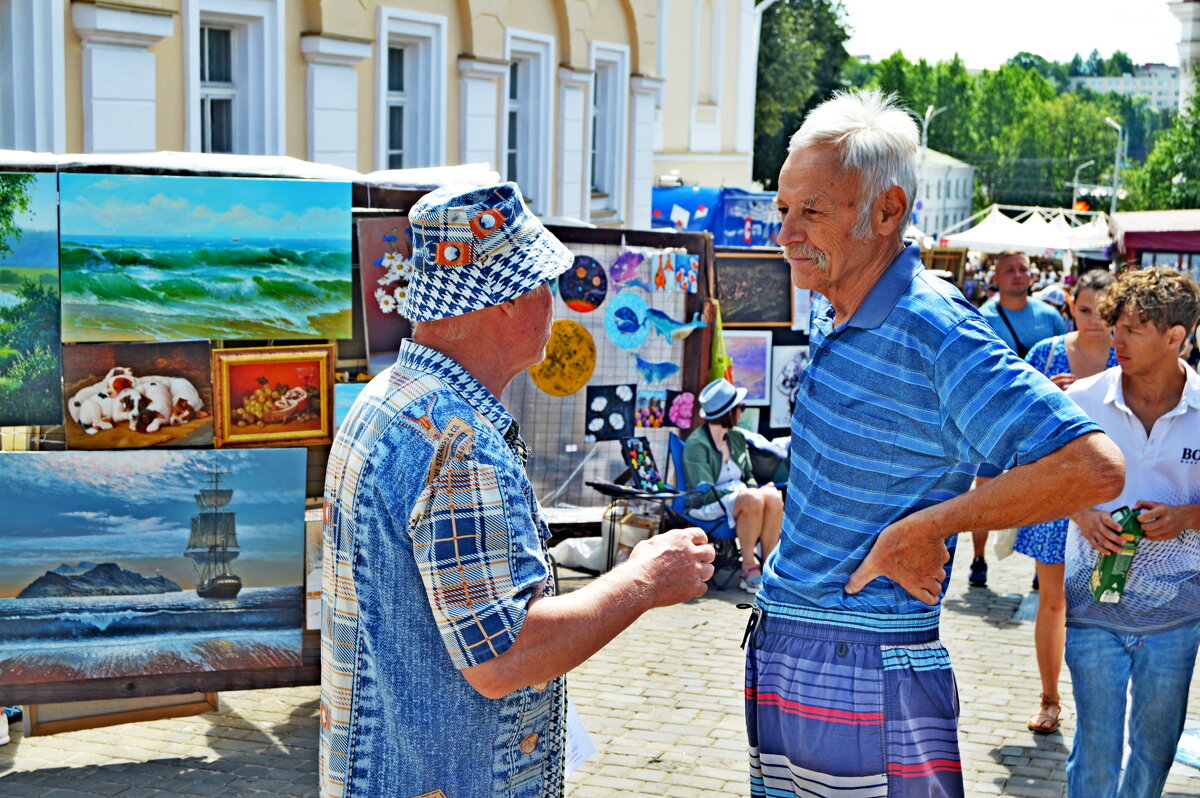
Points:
[[662, 704]]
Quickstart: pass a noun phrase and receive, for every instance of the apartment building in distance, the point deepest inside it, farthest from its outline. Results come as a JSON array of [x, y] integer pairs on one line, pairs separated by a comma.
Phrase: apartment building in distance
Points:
[[583, 102], [1158, 83]]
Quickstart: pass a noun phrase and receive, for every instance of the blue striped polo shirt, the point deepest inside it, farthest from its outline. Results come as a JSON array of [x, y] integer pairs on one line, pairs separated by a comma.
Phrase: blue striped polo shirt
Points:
[[894, 413]]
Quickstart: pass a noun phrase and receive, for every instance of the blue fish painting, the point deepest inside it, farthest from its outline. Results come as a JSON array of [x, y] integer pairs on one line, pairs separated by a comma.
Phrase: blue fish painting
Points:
[[627, 321], [654, 372], [634, 283], [625, 267], [670, 329]]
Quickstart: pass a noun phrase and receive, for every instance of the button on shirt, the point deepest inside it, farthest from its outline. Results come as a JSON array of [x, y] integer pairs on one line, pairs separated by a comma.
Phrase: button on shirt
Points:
[[434, 546], [1162, 589], [894, 412]]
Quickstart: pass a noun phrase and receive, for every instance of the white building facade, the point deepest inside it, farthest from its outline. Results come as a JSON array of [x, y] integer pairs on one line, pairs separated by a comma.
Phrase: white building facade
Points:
[[1188, 13], [945, 186], [1158, 83]]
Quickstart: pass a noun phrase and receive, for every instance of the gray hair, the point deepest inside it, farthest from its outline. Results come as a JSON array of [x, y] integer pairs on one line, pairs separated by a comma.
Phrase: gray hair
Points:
[[875, 137]]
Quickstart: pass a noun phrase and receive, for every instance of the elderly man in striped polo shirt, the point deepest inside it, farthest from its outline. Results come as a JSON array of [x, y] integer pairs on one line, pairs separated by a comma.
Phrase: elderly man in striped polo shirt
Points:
[[908, 389]]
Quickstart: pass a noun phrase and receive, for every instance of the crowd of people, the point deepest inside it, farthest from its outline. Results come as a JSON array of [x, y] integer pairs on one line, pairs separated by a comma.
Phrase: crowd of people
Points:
[[918, 418]]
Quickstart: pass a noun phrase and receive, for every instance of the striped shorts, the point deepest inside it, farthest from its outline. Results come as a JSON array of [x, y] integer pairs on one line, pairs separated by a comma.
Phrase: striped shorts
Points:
[[838, 711]]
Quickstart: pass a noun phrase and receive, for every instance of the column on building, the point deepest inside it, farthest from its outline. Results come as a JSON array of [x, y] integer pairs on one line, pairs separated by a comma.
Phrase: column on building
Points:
[[333, 98], [1189, 47], [644, 94], [32, 85], [574, 165], [482, 80], [118, 76]]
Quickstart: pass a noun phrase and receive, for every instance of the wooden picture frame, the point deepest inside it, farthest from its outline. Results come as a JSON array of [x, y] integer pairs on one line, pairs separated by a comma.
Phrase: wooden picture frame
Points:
[[754, 288], [43, 719], [285, 415]]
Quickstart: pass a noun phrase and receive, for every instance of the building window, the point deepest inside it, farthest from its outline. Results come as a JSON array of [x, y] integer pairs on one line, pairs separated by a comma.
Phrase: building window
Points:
[[411, 89], [516, 124], [604, 134], [234, 94], [528, 121], [218, 90], [397, 102]]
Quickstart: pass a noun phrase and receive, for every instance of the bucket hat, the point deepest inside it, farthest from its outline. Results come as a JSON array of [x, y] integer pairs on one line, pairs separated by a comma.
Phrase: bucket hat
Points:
[[719, 397], [473, 248]]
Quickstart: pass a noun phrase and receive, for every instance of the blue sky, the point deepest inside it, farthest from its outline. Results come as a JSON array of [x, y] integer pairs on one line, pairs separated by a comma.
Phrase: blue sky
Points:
[[205, 207], [43, 210], [134, 508], [986, 35]]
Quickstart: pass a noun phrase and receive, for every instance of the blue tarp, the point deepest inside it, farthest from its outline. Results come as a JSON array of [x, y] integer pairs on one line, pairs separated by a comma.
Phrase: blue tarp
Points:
[[735, 217]]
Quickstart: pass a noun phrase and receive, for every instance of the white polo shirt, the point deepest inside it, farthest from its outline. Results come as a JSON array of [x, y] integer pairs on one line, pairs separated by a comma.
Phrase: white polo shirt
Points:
[[1162, 591]]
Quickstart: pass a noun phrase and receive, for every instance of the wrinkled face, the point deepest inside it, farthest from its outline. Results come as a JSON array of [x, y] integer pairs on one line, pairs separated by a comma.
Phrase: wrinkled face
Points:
[[1012, 275], [1141, 347], [1085, 311], [818, 199]]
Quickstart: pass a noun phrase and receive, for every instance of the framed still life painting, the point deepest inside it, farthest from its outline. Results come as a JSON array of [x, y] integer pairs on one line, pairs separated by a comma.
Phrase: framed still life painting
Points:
[[273, 396]]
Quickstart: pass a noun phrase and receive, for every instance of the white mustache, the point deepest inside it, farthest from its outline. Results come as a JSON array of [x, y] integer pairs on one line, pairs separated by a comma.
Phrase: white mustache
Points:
[[803, 251]]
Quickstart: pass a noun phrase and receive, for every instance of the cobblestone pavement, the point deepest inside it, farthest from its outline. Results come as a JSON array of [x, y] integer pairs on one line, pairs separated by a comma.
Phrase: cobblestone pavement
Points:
[[662, 704]]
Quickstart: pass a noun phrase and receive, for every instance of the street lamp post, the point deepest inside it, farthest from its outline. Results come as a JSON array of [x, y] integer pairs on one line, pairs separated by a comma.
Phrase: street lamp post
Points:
[[930, 113], [1116, 184], [1075, 182]]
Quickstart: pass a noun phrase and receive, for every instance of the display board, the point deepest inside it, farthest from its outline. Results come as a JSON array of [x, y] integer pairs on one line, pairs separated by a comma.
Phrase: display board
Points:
[[755, 288]]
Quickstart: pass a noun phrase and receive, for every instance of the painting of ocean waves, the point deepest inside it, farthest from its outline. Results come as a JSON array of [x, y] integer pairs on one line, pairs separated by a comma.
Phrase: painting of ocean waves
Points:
[[148, 258], [96, 637]]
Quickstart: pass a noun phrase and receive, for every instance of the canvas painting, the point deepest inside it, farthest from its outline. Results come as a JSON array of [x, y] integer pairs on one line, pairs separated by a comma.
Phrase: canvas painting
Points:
[[344, 394], [788, 362], [751, 353], [30, 353], [313, 554], [755, 289], [384, 249], [273, 396], [133, 396], [135, 563], [161, 258], [609, 414]]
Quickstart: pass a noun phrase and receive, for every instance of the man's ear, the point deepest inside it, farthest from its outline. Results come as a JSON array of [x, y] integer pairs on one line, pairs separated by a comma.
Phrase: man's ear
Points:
[[889, 211], [1176, 335]]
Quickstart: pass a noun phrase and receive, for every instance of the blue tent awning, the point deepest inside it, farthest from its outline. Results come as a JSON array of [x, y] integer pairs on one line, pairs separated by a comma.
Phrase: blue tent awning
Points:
[[735, 217]]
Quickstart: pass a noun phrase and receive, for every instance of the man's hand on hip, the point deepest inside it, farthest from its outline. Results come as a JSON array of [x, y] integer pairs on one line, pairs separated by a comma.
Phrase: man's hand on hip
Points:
[[912, 558], [676, 565]]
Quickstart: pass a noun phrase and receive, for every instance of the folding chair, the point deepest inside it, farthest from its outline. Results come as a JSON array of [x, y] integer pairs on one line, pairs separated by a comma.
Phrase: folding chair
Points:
[[720, 533]]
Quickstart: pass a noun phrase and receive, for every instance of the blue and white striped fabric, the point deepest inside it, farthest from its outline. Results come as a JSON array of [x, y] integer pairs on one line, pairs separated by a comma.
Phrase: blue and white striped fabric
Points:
[[894, 413]]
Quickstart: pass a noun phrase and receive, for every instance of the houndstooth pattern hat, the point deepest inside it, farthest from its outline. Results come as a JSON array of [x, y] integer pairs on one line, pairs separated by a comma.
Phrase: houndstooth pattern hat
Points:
[[473, 248]]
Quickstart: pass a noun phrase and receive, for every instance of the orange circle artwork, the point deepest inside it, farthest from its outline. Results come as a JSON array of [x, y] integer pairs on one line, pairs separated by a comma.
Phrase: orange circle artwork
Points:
[[570, 360]]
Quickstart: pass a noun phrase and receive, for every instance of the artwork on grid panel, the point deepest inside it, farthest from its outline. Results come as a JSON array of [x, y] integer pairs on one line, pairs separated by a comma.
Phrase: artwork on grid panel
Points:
[[609, 413], [134, 563], [384, 252], [30, 353], [787, 363], [584, 285], [751, 353], [159, 258], [134, 396], [569, 362]]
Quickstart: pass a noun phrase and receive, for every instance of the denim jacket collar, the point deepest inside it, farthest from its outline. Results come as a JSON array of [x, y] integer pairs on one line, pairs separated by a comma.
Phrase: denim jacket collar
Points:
[[430, 361]]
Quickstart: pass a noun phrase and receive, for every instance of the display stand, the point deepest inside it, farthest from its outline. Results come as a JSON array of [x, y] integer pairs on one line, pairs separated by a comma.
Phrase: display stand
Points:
[[621, 505]]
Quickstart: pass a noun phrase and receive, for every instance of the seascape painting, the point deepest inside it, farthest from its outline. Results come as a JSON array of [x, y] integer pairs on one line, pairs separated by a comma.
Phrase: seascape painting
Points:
[[159, 258], [132, 563], [137, 396], [30, 353]]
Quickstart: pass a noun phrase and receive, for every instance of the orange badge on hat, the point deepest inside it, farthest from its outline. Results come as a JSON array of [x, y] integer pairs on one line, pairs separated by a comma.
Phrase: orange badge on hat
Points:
[[453, 253], [487, 222]]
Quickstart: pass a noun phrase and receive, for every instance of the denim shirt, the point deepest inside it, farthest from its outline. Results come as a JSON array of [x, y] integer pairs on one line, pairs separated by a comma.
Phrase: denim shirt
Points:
[[434, 546]]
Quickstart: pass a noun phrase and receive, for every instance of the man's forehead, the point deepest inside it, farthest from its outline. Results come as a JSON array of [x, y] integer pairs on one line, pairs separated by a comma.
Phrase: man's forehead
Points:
[[813, 173]]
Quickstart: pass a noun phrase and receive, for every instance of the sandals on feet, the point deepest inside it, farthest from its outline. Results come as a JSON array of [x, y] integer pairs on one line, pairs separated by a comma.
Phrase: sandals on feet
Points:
[[1046, 719], [751, 579]]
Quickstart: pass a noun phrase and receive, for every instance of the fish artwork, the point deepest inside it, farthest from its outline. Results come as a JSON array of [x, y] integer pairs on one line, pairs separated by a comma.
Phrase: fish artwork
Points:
[[627, 321], [652, 373], [670, 329], [625, 267]]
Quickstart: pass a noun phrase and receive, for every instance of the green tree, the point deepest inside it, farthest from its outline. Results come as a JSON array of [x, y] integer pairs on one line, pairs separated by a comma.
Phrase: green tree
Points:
[[14, 200], [1170, 178], [1119, 64], [800, 59], [32, 322]]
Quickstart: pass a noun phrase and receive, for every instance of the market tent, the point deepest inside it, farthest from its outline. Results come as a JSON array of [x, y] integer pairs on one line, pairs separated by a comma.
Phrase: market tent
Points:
[[1090, 236], [1166, 231], [1038, 236], [914, 233], [995, 233]]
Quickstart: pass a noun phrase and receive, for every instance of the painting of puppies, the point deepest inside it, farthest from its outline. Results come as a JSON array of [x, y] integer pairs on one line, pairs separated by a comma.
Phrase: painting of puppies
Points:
[[138, 395]]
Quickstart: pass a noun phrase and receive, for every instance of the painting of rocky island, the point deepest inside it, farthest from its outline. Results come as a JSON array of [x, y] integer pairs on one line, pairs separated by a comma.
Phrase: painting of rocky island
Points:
[[129, 563]]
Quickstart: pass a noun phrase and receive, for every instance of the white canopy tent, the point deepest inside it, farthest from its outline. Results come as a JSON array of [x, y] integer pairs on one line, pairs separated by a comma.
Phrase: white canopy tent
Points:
[[994, 234], [1035, 235]]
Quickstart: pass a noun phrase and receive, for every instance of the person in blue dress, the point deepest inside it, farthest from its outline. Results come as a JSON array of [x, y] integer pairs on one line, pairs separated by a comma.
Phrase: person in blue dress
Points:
[[1064, 359]]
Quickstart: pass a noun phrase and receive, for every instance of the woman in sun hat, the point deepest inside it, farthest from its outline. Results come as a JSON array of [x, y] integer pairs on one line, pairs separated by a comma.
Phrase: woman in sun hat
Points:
[[716, 453]]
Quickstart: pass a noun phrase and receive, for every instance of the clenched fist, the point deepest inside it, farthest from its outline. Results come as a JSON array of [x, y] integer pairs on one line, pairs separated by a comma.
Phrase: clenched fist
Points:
[[674, 566]]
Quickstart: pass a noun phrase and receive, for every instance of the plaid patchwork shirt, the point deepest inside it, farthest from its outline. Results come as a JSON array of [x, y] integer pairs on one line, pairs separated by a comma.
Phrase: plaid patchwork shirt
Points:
[[434, 546]]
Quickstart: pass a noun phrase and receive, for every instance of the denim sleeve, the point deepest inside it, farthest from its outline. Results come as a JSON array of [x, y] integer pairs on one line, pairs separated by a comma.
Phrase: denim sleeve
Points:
[[478, 555], [995, 407]]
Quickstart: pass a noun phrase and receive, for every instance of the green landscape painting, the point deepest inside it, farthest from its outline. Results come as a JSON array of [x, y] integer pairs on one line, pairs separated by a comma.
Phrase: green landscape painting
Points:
[[30, 353]]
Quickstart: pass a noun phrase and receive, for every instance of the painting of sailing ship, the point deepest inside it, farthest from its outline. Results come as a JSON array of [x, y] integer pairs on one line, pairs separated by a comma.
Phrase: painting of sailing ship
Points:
[[167, 257], [129, 563]]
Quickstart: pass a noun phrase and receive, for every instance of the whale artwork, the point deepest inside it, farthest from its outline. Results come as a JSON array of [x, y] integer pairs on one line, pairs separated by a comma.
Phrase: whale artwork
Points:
[[652, 373], [670, 329], [625, 320], [625, 269]]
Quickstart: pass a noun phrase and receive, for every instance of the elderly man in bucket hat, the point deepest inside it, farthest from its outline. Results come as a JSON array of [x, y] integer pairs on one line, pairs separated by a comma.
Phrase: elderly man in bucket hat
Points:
[[443, 644]]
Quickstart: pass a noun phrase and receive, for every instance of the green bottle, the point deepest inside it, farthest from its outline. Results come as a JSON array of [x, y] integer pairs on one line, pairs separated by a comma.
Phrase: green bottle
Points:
[[1108, 577]]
